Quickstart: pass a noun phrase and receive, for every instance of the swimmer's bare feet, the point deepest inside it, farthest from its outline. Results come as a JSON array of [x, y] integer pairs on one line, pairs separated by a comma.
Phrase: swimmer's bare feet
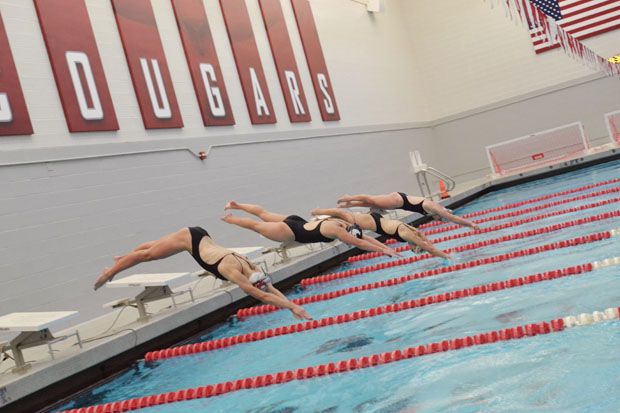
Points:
[[118, 257], [105, 276], [231, 205], [227, 217]]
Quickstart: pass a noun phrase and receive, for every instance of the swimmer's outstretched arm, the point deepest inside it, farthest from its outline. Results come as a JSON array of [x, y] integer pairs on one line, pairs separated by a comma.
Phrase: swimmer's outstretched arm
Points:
[[420, 240], [273, 297], [347, 238], [336, 213], [436, 209], [373, 241], [387, 201]]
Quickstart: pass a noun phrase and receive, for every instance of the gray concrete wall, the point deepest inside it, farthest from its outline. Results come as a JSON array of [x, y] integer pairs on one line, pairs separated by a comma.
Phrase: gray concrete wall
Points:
[[468, 134], [62, 222]]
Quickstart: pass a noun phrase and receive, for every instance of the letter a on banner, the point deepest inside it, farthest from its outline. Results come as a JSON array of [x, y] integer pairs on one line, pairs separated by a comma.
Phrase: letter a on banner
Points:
[[147, 64], [284, 58], [76, 65], [249, 66], [203, 63], [316, 61], [14, 119]]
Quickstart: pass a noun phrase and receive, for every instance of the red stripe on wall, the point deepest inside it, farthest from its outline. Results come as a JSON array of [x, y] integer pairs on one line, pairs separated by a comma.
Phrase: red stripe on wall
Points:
[[147, 64], [316, 61], [248, 62], [284, 58], [203, 63], [76, 64]]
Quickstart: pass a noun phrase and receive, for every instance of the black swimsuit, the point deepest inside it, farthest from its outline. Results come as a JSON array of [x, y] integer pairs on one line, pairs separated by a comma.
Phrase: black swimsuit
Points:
[[380, 230], [408, 206], [302, 235], [198, 234]]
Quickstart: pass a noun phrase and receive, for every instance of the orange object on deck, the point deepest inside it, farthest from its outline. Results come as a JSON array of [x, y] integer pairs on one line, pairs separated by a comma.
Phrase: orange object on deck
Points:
[[442, 189]]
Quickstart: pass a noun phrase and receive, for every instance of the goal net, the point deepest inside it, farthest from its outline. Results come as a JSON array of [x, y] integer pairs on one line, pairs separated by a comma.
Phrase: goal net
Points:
[[537, 149], [613, 125]]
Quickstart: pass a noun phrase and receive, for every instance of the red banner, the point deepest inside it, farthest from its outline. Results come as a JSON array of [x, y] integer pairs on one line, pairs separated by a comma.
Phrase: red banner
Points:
[[203, 63], [316, 61], [284, 58], [76, 64], [147, 64], [14, 119], [248, 62]]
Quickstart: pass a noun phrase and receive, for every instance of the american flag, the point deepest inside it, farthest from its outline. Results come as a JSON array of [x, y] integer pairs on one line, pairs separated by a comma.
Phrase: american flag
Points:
[[580, 18]]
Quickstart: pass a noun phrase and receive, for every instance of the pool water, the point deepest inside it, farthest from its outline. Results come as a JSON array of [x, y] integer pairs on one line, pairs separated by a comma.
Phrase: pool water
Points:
[[573, 370]]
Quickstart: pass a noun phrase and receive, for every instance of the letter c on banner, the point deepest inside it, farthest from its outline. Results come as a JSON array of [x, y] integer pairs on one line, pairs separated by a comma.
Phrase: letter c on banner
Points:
[[73, 60], [6, 115], [216, 104], [329, 106], [163, 111]]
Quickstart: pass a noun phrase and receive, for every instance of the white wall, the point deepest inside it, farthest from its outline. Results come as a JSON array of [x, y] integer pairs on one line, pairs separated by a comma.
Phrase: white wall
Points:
[[472, 56]]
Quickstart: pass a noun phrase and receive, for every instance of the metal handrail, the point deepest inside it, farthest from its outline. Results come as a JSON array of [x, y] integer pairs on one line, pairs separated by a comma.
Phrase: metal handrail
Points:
[[421, 170]]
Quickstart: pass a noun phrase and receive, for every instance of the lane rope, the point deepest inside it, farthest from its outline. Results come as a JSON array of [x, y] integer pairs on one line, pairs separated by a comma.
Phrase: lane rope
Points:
[[528, 201], [376, 311], [496, 227], [513, 333], [263, 309]]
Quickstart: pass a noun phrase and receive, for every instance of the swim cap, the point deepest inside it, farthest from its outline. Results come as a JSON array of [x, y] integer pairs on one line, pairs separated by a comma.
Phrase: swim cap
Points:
[[260, 280], [355, 230]]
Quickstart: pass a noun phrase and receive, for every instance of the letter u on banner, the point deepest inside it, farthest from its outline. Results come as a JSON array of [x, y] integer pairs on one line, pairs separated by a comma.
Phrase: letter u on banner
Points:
[[147, 64], [76, 64]]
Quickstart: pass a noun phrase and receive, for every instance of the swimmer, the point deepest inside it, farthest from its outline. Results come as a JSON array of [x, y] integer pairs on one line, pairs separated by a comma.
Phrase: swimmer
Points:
[[281, 228], [391, 227], [227, 265], [399, 200]]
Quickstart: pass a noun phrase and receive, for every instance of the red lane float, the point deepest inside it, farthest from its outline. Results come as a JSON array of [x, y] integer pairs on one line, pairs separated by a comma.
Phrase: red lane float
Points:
[[497, 227], [550, 228], [528, 201], [513, 333], [262, 309], [371, 312], [526, 210]]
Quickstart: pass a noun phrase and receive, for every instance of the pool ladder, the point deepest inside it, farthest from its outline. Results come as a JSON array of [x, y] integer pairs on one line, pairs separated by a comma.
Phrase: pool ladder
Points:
[[422, 170]]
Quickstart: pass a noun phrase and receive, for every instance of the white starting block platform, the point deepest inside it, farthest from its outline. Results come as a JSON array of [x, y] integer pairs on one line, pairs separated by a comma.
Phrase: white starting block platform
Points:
[[34, 331], [156, 287]]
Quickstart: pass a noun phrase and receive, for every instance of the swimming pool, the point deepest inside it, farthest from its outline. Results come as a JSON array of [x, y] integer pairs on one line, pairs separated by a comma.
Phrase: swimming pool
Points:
[[571, 370]]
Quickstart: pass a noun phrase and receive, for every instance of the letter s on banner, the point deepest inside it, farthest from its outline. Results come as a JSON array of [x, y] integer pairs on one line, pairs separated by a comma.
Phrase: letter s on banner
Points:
[[327, 101]]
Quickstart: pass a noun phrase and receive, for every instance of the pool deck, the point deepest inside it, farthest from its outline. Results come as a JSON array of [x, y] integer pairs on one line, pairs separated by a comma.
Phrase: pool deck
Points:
[[110, 342]]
